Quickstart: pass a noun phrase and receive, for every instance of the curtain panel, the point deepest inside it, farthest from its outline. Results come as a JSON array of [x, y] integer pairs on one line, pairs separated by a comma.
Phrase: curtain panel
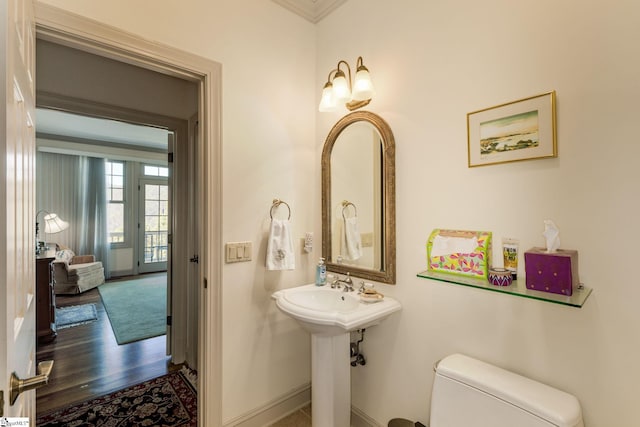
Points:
[[74, 187]]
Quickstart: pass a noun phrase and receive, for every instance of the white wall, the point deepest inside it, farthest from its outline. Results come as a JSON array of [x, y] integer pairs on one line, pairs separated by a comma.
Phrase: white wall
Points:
[[432, 63], [269, 146]]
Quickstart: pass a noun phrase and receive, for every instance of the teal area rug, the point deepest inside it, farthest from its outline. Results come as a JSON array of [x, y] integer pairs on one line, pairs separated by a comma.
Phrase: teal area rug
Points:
[[75, 315], [137, 309]]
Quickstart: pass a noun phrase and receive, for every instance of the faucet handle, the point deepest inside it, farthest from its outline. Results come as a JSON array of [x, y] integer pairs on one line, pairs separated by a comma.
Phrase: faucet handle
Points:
[[334, 282], [362, 287]]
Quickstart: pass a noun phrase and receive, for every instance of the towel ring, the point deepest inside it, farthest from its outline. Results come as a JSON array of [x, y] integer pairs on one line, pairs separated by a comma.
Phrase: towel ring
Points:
[[345, 205], [277, 203]]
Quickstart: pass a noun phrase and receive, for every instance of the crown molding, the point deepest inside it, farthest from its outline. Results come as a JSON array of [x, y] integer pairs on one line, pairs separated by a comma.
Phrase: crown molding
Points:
[[311, 10]]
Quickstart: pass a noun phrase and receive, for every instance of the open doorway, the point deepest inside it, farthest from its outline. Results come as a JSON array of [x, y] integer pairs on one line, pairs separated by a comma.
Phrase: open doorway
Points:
[[53, 24], [136, 151]]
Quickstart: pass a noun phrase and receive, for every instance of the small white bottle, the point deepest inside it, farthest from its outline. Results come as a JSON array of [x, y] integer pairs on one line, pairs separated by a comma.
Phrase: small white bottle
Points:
[[321, 273]]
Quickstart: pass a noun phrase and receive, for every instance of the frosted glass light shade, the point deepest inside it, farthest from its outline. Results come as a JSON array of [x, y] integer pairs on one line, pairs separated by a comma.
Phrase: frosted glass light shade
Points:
[[54, 224], [363, 87], [327, 102], [341, 92]]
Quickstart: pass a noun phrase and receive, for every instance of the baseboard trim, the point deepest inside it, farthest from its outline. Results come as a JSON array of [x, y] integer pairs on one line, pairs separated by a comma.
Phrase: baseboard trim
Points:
[[274, 410], [121, 273], [287, 404], [360, 419]]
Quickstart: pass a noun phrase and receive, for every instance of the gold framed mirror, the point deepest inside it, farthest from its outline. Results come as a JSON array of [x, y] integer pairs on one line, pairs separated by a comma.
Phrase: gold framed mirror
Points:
[[358, 198]]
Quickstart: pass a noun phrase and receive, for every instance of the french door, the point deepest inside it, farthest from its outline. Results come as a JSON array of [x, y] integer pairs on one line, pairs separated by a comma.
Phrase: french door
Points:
[[154, 225]]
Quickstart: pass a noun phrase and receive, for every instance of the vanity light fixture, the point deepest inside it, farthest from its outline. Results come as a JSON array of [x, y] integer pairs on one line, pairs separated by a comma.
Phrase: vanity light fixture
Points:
[[338, 90]]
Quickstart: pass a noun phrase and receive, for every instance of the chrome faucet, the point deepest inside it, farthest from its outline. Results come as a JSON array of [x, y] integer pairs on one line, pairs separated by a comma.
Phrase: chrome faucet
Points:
[[347, 282]]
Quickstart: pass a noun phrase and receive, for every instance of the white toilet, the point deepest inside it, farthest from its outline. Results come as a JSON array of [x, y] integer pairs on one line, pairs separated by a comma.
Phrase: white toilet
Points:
[[468, 392]]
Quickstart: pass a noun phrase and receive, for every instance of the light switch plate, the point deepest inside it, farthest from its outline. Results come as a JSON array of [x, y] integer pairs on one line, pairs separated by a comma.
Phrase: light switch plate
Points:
[[237, 252]]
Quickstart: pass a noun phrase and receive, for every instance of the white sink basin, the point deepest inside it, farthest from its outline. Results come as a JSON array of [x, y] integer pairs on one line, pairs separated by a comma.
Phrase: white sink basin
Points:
[[330, 314], [326, 311]]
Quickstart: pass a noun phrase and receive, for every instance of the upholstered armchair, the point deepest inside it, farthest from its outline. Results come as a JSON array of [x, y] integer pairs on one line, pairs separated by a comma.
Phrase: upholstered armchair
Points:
[[74, 274]]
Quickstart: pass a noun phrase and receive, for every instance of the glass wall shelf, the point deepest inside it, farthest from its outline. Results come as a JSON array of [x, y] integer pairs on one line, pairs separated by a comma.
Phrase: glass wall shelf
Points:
[[519, 289]]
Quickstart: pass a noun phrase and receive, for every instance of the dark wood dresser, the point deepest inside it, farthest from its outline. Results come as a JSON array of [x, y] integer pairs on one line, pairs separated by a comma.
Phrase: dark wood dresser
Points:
[[45, 298]]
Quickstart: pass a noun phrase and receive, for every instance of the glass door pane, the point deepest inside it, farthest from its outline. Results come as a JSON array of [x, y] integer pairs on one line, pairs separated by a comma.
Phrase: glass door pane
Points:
[[154, 227]]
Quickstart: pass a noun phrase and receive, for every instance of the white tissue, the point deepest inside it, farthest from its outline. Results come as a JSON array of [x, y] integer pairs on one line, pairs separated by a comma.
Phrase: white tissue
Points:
[[453, 245], [551, 235]]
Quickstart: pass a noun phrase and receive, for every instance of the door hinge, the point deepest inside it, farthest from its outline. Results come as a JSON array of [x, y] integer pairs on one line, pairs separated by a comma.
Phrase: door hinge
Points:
[[168, 320], [205, 283], [170, 157], [138, 263], [195, 259], [170, 239], [1, 403]]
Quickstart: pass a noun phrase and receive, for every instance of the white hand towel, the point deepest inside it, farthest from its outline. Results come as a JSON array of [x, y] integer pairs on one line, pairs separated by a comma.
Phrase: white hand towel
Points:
[[352, 239], [280, 254]]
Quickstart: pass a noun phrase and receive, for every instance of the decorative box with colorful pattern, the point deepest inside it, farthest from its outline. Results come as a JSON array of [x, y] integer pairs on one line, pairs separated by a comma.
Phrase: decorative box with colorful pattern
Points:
[[466, 253], [555, 272]]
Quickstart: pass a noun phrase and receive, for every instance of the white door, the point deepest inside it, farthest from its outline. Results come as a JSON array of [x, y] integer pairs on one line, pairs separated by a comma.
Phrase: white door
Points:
[[17, 204]]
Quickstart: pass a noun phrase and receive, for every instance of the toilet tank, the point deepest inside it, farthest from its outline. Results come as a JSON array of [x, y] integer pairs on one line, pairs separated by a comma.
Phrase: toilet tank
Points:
[[467, 392]]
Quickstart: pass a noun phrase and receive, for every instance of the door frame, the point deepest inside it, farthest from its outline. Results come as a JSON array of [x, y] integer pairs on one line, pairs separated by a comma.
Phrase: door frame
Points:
[[62, 27]]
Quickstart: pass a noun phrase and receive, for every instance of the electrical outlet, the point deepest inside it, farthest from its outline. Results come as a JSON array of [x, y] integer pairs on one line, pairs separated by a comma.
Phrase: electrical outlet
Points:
[[308, 241], [367, 240]]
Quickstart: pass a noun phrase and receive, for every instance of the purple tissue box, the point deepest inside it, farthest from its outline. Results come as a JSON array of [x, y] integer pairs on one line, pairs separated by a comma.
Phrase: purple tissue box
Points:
[[556, 272]]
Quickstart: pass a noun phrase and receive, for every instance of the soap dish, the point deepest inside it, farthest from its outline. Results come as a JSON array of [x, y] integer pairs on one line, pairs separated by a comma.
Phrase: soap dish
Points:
[[371, 297]]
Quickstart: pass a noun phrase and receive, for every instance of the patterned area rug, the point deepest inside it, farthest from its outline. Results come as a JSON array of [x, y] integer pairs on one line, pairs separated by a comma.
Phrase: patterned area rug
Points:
[[166, 401], [75, 315]]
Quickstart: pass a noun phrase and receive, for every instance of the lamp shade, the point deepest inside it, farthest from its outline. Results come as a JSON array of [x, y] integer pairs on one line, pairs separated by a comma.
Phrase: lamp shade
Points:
[[54, 224], [327, 102], [362, 86], [341, 92]]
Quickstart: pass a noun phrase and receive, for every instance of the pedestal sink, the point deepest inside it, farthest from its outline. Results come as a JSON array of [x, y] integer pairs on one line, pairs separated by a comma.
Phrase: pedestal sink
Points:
[[330, 315]]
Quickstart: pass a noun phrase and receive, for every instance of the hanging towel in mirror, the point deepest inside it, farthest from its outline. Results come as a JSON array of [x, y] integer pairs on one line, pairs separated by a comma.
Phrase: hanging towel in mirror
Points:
[[280, 254], [352, 240]]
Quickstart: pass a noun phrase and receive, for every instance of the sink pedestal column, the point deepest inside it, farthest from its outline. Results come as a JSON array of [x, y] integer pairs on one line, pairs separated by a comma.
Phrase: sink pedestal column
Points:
[[330, 380]]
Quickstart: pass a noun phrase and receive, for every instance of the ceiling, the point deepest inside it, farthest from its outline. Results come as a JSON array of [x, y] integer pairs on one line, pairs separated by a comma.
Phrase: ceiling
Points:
[[74, 127], [311, 10]]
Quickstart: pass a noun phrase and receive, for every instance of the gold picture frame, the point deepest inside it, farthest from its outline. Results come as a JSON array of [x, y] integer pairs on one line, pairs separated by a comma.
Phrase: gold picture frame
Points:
[[520, 130]]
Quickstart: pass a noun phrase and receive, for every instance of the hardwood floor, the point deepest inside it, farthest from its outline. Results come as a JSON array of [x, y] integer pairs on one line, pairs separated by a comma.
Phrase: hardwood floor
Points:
[[88, 362]]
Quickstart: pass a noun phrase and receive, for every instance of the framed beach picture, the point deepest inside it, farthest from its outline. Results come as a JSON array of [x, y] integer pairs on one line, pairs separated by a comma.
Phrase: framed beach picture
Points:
[[519, 130]]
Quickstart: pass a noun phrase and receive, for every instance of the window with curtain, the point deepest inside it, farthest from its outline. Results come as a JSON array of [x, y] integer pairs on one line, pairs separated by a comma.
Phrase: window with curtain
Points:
[[115, 176]]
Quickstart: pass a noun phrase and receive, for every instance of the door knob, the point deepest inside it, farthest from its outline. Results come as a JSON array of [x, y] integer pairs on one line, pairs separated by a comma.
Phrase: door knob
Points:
[[18, 385]]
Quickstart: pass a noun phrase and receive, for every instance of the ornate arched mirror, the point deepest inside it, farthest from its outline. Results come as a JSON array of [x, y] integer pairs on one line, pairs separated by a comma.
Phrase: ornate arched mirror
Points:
[[358, 198]]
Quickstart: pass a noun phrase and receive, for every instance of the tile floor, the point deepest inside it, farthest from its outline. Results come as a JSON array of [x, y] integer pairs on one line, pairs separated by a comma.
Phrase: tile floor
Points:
[[300, 418]]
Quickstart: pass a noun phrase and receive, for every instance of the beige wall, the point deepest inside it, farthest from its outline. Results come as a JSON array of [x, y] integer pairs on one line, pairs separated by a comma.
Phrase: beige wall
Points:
[[432, 63], [269, 148]]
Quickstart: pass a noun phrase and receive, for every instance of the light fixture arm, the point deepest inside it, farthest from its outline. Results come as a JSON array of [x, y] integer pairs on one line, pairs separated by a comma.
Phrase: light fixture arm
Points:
[[338, 70], [339, 88]]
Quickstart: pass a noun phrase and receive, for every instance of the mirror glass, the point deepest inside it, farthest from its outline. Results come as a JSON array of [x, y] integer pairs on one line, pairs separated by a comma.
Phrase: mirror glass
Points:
[[358, 198]]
